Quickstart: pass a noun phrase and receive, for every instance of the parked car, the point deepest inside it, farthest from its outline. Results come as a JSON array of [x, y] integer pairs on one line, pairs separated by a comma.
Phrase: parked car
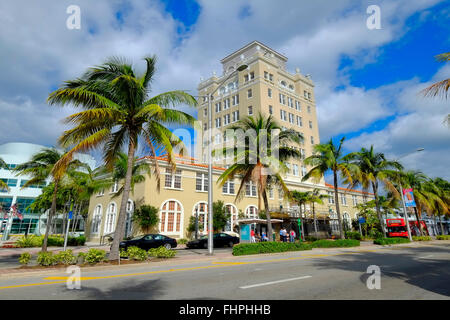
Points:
[[219, 240], [149, 241]]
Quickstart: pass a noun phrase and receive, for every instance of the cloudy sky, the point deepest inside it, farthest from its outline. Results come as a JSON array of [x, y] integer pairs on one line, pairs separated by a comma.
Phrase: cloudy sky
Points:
[[367, 81]]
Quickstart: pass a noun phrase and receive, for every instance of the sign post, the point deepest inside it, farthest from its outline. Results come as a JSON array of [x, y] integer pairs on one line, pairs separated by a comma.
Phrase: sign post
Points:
[[410, 203], [68, 224], [361, 220], [299, 221]]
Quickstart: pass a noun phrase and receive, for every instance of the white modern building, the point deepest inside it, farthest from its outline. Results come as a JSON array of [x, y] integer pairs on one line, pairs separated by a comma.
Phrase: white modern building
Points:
[[14, 154]]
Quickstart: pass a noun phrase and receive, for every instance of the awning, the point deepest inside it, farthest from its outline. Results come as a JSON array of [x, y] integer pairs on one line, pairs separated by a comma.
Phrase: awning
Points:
[[262, 221]]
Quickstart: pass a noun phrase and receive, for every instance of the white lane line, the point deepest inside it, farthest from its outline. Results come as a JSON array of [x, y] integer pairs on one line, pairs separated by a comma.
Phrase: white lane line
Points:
[[425, 257], [273, 282]]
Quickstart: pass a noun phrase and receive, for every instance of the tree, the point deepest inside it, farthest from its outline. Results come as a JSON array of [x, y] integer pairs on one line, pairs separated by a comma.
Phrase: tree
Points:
[[301, 198], [146, 216], [442, 191], [3, 165], [40, 168], [372, 169], [440, 88], [118, 112], [220, 216], [326, 157], [259, 162], [366, 211], [316, 197]]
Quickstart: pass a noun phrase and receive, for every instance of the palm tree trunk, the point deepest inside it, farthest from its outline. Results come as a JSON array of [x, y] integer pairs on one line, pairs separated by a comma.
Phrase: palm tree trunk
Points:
[[120, 226], [49, 218], [336, 199], [440, 222], [315, 221], [418, 220], [377, 206], [269, 223]]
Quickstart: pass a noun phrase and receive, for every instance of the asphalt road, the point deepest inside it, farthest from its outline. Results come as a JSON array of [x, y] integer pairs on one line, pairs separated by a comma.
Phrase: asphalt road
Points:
[[419, 272]]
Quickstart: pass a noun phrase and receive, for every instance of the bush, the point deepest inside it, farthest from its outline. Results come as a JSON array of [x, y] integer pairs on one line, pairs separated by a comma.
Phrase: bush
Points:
[[81, 257], [182, 241], [339, 243], [123, 253], [76, 241], [46, 259], [385, 241], [55, 242], [94, 256], [135, 253], [443, 237], [422, 238], [375, 234], [353, 235], [29, 242], [25, 258], [311, 239], [268, 247], [161, 252], [66, 257]]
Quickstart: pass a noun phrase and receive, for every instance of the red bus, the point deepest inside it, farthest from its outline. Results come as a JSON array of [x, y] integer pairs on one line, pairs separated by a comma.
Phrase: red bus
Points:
[[396, 228]]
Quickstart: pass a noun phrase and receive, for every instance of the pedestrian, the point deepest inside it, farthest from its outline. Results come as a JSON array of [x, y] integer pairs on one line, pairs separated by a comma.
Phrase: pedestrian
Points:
[[281, 235], [252, 236], [285, 235], [264, 237], [292, 235]]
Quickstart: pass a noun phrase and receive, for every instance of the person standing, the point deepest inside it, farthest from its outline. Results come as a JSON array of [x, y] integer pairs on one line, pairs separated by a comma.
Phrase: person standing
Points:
[[252, 236], [292, 235]]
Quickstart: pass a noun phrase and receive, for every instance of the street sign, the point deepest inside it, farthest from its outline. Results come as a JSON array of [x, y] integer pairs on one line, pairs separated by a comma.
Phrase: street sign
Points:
[[70, 214], [362, 220], [408, 196]]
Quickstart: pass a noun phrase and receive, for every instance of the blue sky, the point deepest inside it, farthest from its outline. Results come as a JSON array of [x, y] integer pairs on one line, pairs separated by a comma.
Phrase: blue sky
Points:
[[366, 81]]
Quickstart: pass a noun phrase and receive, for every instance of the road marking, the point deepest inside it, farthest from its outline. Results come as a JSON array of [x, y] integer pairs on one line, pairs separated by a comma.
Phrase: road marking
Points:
[[425, 257], [273, 282]]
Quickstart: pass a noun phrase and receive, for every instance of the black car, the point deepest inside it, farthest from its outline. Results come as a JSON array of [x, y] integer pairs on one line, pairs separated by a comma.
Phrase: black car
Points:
[[219, 240], [149, 241]]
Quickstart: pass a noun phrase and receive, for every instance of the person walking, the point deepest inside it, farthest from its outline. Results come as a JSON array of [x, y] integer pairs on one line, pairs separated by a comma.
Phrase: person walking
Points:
[[252, 236], [292, 235]]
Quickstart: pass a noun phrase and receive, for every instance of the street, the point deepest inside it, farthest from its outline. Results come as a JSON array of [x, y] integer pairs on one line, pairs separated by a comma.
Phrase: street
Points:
[[419, 271]]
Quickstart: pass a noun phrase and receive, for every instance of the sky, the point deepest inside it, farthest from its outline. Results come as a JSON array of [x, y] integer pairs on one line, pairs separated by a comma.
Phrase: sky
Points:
[[367, 81]]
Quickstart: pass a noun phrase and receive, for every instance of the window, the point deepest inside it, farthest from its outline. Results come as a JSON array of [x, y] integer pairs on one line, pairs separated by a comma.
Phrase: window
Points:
[[309, 95], [297, 105], [218, 138], [173, 180], [250, 189], [226, 119], [252, 75], [251, 212], [201, 210], [170, 217], [295, 169], [343, 200], [282, 98], [201, 182], [269, 92], [288, 166], [96, 219], [205, 112], [250, 110], [110, 222], [304, 171], [218, 107], [101, 192], [290, 103], [218, 122], [228, 187], [9, 183], [233, 212], [249, 93], [283, 115], [271, 193], [302, 154], [305, 94], [115, 187], [235, 116], [330, 197], [291, 118], [235, 100], [270, 110], [299, 121], [310, 124], [312, 140], [355, 200], [266, 75], [309, 109], [270, 77], [226, 104]]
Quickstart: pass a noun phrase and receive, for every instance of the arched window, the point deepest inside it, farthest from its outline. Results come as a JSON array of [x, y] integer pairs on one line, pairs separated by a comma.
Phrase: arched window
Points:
[[96, 219], [347, 221], [232, 210], [201, 209], [170, 217], [283, 83], [251, 212], [129, 220], [110, 222]]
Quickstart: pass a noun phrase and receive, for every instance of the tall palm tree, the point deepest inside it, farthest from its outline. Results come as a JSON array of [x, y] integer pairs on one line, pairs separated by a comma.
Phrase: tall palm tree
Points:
[[301, 198], [3, 165], [316, 197], [440, 88], [373, 169], [440, 199], [40, 168], [118, 112], [326, 157], [263, 165]]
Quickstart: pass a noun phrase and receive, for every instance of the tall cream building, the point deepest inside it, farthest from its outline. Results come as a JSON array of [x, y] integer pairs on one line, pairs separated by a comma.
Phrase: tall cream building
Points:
[[264, 87]]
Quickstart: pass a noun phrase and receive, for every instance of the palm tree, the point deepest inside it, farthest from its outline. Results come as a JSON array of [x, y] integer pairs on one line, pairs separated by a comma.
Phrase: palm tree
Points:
[[40, 168], [301, 198], [261, 164], [440, 88], [3, 184], [326, 157], [316, 197], [440, 200], [137, 173], [118, 112], [373, 169]]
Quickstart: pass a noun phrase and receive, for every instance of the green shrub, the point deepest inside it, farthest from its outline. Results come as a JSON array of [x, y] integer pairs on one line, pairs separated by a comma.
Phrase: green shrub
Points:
[[29, 241], [353, 235], [46, 259], [268, 247], [339, 243], [94, 256], [76, 241], [55, 242], [66, 257], [182, 241], [123, 253], [443, 237], [25, 258], [135, 253], [311, 239], [375, 234], [81, 257], [386, 241], [422, 238], [161, 252]]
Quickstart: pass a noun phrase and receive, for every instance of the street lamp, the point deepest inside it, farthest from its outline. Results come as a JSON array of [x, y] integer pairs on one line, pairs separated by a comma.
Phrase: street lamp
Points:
[[210, 182], [403, 199]]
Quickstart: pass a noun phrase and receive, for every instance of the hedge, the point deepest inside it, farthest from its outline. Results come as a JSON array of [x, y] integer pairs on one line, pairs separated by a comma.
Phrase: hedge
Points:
[[352, 235], [268, 247], [443, 237], [53, 241], [422, 238], [339, 243], [385, 241]]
